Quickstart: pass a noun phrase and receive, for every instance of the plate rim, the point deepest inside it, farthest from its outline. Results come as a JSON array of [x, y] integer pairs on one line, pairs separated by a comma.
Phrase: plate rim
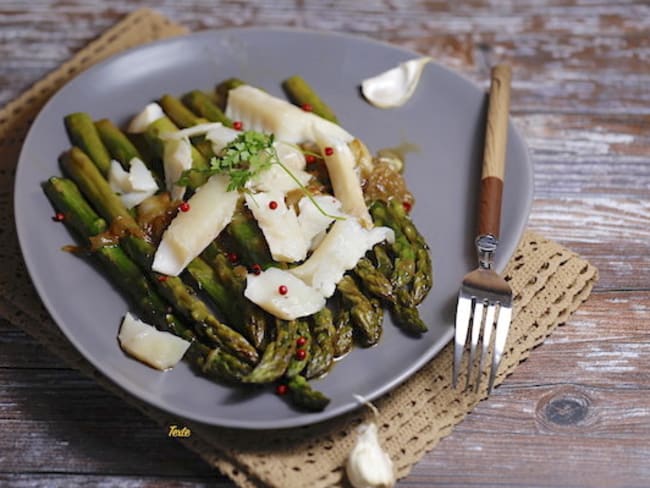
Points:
[[301, 419]]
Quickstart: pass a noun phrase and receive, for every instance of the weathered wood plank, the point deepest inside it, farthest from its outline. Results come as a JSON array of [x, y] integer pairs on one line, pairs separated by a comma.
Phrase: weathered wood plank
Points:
[[81, 399], [578, 410], [19, 350], [595, 350], [532, 460], [578, 155], [103, 445], [65, 480], [613, 233], [54, 413], [582, 58]]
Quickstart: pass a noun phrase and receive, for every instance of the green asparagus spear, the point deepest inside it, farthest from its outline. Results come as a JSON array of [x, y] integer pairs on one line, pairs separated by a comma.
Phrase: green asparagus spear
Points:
[[298, 362], [410, 282], [404, 264], [123, 150], [82, 133], [207, 280], [322, 344], [153, 137], [423, 276], [201, 104], [96, 189], [205, 148], [277, 355], [179, 113], [423, 279], [82, 219], [408, 319], [186, 301], [304, 396], [118, 145], [126, 275], [383, 260], [251, 318], [373, 280], [243, 229], [219, 364], [343, 340], [224, 87], [363, 313], [302, 94], [397, 211], [148, 156], [234, 277], [65, 197]]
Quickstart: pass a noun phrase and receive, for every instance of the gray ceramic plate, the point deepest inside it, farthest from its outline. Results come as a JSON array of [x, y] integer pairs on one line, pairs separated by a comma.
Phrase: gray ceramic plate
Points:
[[444, 119]]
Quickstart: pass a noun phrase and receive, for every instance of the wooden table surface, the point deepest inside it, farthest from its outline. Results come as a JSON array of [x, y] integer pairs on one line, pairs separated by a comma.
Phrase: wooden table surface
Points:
[[577, 413]]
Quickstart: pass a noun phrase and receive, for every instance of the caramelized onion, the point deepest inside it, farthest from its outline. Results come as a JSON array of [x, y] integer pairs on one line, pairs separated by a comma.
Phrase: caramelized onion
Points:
[[384, 183]]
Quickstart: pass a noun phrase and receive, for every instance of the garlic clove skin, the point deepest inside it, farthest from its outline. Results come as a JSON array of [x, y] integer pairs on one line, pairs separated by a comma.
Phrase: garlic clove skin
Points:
[[369, 466], [394, 87]]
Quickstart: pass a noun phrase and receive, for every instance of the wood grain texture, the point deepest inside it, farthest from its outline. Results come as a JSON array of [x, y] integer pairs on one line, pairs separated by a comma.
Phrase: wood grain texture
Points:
[[577, 412], [496, 130], [494, 152]]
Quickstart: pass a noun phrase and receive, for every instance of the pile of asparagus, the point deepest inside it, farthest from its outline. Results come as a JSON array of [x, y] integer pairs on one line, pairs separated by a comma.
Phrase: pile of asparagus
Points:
[[232, 339]]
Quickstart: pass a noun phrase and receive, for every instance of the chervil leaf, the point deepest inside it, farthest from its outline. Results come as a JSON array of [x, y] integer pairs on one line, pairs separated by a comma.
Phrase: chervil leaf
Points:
[[244, 158]]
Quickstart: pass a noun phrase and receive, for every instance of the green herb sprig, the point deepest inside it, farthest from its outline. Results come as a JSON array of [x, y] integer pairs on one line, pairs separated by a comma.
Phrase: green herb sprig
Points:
[[248, 155]]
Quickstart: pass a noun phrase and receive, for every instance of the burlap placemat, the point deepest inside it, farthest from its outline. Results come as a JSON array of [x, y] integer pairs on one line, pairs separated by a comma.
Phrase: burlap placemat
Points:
[[549, 283]]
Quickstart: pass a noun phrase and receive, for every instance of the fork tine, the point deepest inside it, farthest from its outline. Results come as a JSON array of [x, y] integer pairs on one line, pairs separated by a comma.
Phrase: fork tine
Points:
[[463, 311], [487, 335], [476, 332], [501, 334]]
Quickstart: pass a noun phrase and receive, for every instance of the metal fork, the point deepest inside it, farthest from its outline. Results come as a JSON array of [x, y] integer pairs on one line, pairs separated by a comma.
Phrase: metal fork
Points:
[[485, 299]]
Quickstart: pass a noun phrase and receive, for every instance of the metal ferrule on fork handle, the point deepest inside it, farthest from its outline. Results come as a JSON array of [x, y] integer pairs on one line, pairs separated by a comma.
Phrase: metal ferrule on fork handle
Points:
[[486, 245]]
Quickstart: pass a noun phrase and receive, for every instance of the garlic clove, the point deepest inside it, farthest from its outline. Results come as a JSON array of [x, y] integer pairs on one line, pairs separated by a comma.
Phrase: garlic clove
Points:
[[368, 465], [394, 87]]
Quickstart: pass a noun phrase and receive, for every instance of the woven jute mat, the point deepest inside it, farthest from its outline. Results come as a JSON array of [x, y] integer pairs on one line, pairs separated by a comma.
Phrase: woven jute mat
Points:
[[549, 283]]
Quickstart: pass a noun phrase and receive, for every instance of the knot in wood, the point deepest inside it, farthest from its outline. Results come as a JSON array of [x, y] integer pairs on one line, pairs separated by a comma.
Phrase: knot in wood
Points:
[[565, 409]]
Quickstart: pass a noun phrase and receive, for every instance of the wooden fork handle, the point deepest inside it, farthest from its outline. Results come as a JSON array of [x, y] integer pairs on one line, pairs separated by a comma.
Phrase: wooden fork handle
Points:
[[494, 156]]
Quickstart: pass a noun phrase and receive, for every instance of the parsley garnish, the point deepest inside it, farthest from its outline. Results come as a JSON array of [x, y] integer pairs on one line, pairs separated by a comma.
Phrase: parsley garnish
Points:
[[242, 159], [248, 155]]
